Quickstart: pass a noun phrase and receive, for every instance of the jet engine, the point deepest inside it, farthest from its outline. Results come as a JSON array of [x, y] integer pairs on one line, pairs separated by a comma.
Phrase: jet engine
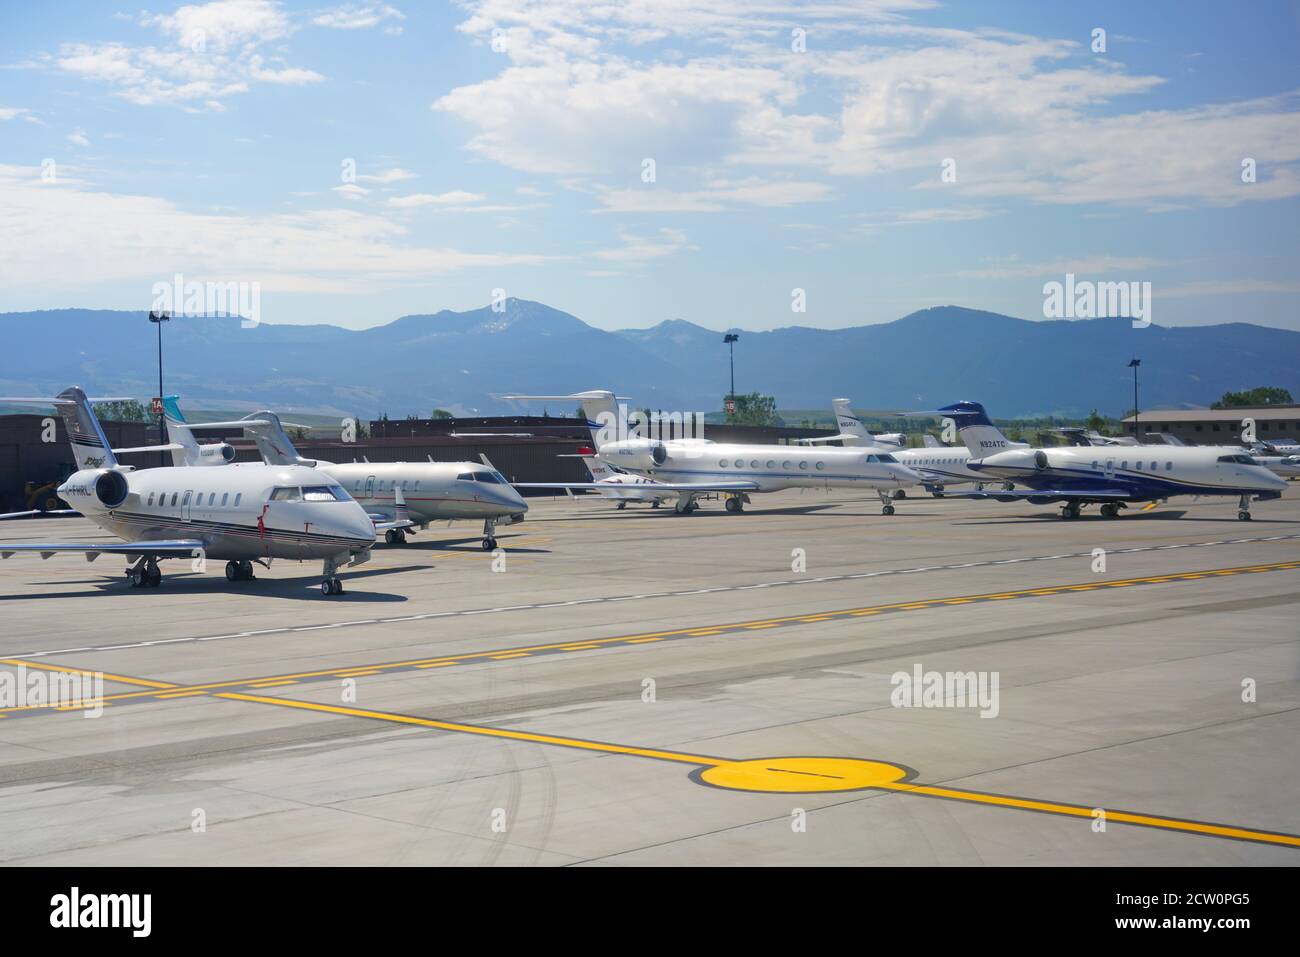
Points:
[[636, 454], [111, 488]]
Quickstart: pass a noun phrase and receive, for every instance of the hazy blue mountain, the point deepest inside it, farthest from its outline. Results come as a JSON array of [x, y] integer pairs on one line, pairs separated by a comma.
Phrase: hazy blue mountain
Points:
[[462, 360]]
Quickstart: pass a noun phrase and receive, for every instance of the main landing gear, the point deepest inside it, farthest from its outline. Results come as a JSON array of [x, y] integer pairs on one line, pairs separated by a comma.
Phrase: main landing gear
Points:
[[1243, 509], [887, 499], [1111, 509], [330, 584], [144, 573], [1071, 510], [239, 571], [395, 536], [685, 505], [737, 502]]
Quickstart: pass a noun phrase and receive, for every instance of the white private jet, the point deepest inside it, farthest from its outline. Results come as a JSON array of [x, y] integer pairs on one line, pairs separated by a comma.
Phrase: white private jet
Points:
[[244, 513], [417, 492], [853, 434], [622, 487], [1114, 476], [692, 467]]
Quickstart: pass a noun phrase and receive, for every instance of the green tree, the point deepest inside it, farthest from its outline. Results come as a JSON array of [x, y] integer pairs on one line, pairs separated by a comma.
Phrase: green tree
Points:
[[1096, 421], [1262, 395], [441, 414], [754, 409], [128, 410]]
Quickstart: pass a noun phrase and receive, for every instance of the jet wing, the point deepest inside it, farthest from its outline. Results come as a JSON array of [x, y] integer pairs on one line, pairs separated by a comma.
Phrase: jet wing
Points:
[[183, 547], [649, 486], [1043, 496], [35, 512]]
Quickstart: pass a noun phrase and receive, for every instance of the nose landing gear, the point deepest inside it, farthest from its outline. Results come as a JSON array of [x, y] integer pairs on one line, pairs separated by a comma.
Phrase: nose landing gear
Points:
[[1243, 509], [887, 498]]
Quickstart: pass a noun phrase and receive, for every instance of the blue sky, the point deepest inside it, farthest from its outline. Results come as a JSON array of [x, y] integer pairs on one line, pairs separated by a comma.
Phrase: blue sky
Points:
[[500, 145]]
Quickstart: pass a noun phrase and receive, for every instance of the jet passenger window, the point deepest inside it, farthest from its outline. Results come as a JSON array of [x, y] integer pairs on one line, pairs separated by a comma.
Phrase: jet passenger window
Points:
[[224, 496], [174, 496], [151, 498], [238, 496]]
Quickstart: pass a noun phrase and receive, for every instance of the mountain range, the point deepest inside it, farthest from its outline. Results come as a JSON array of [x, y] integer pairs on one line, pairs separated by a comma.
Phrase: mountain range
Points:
[[463, 362]]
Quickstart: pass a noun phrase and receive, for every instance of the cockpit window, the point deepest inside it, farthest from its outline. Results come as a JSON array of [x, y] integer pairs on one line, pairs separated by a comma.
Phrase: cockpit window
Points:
[[491, 478], [873, 458], [887, 458], [286, 493], [465, 477], [1239, 459], [323, 493]]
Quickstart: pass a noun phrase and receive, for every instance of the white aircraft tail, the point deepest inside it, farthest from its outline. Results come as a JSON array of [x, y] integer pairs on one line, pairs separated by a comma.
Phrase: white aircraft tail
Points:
[[606, 419], [853, 432], [977, 430], [273, 443], [90, 446]]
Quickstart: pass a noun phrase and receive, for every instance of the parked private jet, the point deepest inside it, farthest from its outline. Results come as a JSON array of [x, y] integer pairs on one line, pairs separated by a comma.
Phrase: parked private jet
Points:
[[694, 466], [429, 491], [853, 434], [1113, 476], [244, 513], [623, 487]]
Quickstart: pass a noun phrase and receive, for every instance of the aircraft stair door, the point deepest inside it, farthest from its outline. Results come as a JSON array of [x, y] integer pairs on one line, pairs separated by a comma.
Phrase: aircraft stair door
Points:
[[370, 487]]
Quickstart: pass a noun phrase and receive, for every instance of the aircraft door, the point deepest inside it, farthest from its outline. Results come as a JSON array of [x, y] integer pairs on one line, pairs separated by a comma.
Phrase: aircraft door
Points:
[[185, 506], [370, 486], [1110, 469]]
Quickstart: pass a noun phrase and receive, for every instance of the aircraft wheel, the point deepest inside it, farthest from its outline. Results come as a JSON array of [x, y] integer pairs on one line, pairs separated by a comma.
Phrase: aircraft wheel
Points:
[[152, 576], [233, 572], [489, 544], [887, 510], [246, 570], [390, 536], [621, 505], [733, 505], [901, 493], [338, 586], [326, 587], [937, 493], [655, 503], [1243, 515], [137, 577]]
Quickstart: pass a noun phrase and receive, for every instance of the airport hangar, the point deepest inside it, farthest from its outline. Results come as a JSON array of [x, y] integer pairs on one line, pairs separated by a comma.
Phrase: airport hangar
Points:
[[1273, 423]]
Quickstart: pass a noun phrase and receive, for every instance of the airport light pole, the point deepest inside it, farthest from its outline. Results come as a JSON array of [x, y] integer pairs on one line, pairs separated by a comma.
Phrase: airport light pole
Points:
[[158, 318], [1133, 364], [731, 338]]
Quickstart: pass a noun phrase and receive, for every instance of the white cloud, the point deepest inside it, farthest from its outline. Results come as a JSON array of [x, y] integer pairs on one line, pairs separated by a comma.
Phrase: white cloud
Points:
[[716, 196], [58, 235], [360, 17], [636, 249], [395, 175], [78, 138], [585, 90], [454, 198], [9, 112], [1083, 267], [210, 52]]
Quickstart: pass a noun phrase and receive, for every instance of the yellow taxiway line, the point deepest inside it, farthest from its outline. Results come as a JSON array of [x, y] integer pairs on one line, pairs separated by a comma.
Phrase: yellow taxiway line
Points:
[[632, 640]]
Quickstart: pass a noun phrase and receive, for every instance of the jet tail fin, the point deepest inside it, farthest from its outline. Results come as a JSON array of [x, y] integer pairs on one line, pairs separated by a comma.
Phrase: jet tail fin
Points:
[[272, 442], [606, 420], [90, 446]]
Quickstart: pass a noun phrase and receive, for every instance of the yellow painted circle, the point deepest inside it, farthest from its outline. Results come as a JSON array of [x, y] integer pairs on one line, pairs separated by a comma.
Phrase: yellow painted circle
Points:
[[788, 775]]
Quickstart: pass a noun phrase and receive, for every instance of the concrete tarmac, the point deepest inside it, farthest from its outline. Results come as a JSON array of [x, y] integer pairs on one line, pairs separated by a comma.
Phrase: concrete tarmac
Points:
[[638, 687]]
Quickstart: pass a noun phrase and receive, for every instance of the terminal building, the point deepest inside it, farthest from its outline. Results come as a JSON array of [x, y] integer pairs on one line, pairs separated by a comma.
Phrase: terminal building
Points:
[[1273, 423]]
